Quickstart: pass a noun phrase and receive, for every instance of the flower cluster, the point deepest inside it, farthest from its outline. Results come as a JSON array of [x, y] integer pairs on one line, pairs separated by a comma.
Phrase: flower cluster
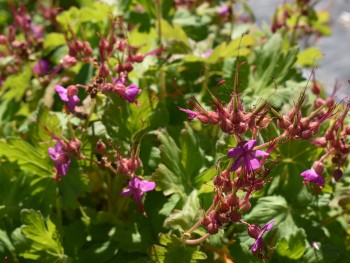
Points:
[[61, 154], [21, 43], [246, 173], [109, 46]]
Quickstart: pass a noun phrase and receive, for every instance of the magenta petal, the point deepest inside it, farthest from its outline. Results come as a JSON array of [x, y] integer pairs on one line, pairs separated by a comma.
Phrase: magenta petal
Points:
[[252, 163], [52, 153], [147, 186], [311, 176], [235, 152], [236, 164], [248, 146], [62, 92], [126, 192], [258, 153]]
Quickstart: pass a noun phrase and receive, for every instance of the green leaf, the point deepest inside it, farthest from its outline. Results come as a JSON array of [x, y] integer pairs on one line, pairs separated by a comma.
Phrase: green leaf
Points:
[[192, 156], [5, 242], [45, 240], [183, 219], [294, 247], [309, 56], [273, 65], [29, 158], [175, 38], [16, 85], [173, 250], [179, 168], [269, 208], [53, 41], [73, 186]]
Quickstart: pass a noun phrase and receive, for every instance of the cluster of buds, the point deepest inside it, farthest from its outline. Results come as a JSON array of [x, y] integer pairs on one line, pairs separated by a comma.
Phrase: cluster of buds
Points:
[[297, 126], [335, 142], [232, 119], [62, 153], [108, 46], [304, 23], [246, 174], [16, 49], [128, 166], [249, 176]]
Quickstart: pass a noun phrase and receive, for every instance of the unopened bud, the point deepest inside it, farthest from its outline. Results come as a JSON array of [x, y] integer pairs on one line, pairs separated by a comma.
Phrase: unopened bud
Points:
[[320, 142], [104, 71], [134, 163], [329, 135], [306, 134], [244, 205], [138, 58], [235, 216], [329, 102], [74, 145], [121, 46], [347, 130], [119, 68], [337, 174], [315, 88], [318, 167], [224, 208], [3, 40], [128, 66], [232, 200], [87, 49], [205, 221], [72, 90], [68, 61], [254, 231], [79, 45], [212, 229], [217, 181], [100, 147], [319, 102], [259, 185]]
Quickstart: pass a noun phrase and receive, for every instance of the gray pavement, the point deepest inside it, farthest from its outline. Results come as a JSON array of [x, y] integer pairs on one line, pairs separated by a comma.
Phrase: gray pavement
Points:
[[335, 64]]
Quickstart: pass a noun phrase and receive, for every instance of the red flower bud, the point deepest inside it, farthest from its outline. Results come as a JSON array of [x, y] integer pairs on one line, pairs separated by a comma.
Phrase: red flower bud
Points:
[[128, 66], [318, 167], [100, 147], [104, 71], [254, 231], [138, 58], [337, 174], [72, 90]]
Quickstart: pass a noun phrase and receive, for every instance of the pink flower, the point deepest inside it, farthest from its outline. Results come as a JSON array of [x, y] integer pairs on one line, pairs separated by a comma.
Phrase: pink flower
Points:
[[131, 92], [60, 158], [137, 188], [311, 176], [70, 100], [246, 155], [42, 67], [192, 114], [259, 246], [223, 9]]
